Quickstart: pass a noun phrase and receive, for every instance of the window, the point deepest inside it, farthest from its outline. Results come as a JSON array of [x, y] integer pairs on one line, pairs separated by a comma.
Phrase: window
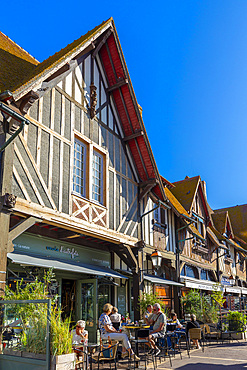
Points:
[[204, 275], [79, 171], [89, 171], [97, 177]]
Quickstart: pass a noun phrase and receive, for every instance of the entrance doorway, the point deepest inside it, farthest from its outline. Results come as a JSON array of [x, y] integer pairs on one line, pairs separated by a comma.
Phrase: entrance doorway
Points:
[[92, 295], [68, 299]]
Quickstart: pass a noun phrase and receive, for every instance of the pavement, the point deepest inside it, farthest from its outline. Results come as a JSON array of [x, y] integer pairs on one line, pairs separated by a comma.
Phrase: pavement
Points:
[[226, 356]]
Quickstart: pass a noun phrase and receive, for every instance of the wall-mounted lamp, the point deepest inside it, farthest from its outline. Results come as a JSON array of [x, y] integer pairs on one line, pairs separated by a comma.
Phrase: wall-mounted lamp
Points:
[[156, 259]]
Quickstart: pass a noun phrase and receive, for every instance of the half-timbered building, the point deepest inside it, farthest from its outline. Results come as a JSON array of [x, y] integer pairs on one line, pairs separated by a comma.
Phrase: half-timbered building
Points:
[[82, 172]]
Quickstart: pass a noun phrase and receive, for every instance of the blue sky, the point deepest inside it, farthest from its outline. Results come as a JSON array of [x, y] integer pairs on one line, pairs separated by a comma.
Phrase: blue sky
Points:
[[188, 65]]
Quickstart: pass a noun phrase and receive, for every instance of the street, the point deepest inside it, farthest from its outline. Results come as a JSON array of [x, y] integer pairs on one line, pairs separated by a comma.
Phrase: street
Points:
[[228, 355]]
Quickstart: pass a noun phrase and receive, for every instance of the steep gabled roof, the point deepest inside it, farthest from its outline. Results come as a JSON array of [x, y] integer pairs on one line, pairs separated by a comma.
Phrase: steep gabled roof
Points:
[[222, 222], [238, 217], [185, 191], [113, 61], [181, 211], [15, 64]]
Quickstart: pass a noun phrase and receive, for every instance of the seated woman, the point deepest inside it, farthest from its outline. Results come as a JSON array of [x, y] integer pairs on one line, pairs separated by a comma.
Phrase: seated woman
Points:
[[192, 325], [115, 318], [107, 330], [80, 335]]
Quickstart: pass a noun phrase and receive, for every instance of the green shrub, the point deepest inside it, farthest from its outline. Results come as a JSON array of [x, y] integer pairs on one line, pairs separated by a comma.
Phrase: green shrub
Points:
[[34, 317]]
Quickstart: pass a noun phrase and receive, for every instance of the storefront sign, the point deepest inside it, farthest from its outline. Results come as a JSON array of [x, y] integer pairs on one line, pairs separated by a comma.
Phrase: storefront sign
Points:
[[42, 246], [201, 284], [225, 281], [71, 251], [232, 290]]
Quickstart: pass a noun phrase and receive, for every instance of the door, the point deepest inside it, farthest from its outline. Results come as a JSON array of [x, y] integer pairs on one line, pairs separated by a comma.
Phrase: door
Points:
[[88, 306]]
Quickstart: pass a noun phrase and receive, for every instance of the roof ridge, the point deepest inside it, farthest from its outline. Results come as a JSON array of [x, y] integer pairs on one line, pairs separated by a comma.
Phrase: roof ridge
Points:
[[19, 47], [186, 179], [60, 55]]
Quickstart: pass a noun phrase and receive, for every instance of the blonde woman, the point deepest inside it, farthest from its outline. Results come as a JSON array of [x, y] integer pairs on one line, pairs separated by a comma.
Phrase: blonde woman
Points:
[[107, 330]]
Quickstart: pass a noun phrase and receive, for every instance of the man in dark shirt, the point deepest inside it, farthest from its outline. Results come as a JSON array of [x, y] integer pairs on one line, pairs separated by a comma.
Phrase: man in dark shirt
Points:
[[192, 325]]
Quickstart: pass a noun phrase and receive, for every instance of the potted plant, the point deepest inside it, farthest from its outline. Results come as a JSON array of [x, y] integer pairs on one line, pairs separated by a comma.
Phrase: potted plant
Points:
[[34, 321]]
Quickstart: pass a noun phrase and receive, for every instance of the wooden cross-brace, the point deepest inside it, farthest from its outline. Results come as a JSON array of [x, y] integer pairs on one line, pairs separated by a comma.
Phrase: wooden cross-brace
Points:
[[19, 229], [125, 253]]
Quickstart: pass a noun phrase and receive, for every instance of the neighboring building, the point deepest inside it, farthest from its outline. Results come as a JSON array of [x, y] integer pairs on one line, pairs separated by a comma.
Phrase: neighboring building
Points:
[[83, 173], [230, 227], [196, 244]]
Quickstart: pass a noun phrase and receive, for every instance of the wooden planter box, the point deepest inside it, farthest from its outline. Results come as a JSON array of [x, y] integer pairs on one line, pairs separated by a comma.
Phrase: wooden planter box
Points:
[[16, 360], [63, 362]]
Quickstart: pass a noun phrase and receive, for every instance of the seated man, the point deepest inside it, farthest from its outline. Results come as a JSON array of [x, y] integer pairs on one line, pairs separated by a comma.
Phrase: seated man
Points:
[[175, 320], [158, 321], [192, 325]]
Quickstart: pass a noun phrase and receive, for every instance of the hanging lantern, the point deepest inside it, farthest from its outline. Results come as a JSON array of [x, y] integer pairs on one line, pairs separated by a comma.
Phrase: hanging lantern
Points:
[[156, 259]]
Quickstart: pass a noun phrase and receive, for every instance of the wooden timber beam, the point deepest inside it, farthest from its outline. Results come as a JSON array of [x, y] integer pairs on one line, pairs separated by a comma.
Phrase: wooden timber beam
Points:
[[124, 258], [148, 182], [121, 82], [131, 257], [146, 187], [20, 228], [144, 191], [102, 42], [134, 135]]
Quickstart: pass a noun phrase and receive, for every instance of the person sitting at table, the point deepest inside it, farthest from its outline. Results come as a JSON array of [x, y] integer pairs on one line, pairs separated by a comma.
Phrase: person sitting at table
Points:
[[107, 330], [148, 313], [80, 335], [174, 320], [158, 321], [115, 318], [192, 325]]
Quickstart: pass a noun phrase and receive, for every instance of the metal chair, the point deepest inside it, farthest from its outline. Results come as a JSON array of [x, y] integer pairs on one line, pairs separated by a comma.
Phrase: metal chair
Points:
[[108, 353]]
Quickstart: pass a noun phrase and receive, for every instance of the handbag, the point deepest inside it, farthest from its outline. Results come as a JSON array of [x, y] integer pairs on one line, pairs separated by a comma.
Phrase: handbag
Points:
[[106, 348]]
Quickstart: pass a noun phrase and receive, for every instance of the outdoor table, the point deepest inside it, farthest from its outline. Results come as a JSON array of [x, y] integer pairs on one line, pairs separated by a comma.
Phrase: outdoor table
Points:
[[83, 349], [90, 347], [136, 328]]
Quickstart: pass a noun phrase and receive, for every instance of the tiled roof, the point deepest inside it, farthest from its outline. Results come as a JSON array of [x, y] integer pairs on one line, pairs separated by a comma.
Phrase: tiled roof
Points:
[[219, 220], [179, 209], [167, 183], [212, 236], [185, 190], [15, 64], [28, 69], [238, 217]]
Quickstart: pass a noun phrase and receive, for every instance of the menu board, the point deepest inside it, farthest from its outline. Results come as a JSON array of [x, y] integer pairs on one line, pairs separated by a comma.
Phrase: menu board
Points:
[[121, 300]]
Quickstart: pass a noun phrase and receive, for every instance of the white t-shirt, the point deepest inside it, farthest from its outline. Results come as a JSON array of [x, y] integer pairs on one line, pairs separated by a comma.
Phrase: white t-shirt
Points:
[[115, 317], [77, 339]]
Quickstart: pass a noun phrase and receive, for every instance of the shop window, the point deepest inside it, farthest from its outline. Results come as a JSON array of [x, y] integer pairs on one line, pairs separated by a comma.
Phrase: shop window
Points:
[[183, 271], [190, 272], [204, 275]]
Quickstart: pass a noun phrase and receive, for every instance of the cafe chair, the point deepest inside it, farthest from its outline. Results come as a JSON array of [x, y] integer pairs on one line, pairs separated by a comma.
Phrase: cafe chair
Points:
[[81, 359], [142, 342], [107, 353], [196, 334]]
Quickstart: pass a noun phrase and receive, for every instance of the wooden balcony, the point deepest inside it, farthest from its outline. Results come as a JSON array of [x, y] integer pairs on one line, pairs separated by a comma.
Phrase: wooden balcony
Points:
[[200, 248]]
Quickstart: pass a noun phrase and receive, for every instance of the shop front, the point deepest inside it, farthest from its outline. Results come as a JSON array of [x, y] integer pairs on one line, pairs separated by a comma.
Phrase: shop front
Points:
[[164, 289], [83, 275]]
